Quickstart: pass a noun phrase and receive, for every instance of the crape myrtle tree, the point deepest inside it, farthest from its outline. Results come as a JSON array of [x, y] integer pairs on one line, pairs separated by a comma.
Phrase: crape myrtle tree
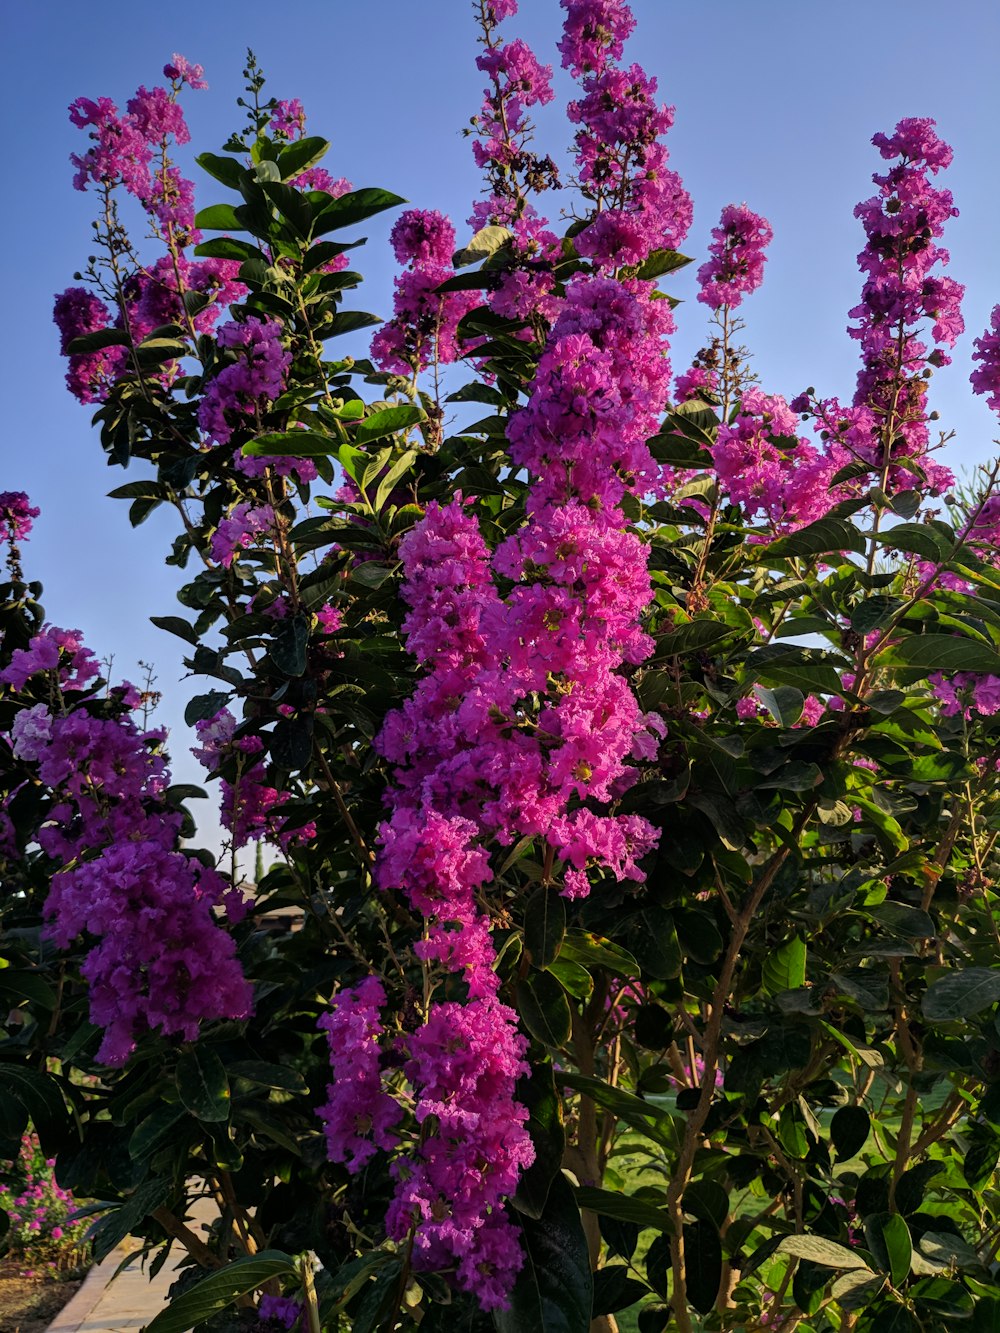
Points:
[[626, 746]]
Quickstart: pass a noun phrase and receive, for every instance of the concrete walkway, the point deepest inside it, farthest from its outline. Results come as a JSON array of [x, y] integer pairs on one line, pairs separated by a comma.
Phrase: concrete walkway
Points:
[[126, 1304], [123, 1306]]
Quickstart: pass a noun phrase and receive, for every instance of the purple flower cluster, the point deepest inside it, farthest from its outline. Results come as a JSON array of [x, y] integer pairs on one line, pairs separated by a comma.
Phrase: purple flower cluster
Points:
[[159, 958], [424, 327], [237, 531], [245, 387], [966, 692], [640, 203], [251, 807], [736, 264], [16, 515], [986, 378]]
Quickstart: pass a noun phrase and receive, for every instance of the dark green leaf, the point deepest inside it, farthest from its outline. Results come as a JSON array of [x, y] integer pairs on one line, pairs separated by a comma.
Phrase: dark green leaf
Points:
[[203, 1085], [267, 1075], [554, 1290], [545, 1125], [614, 1290], [544, 925], [888, 1239], [175, 625], [203, 707], [660, 262], [290, 444], [215, 1292], [112, 1230], [228, 247], [823, 537], [703, 1264], [849, 1130], [623, 1207], [288, 651], [347, 321], [543, 1006], [352, 208], [579, 946], [962, 994], [926, 653]]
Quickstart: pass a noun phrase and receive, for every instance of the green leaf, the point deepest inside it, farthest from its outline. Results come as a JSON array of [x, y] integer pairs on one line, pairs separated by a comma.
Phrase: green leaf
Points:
[[641, 1115], [98, 340], [301, 155], [614, 1290], [824, 536], [854, 1290], [203, 707], [288, 651], [849, 1130], [175, 625], [290, 444], [962, 994], [925, 653], [660, 262], [545, 1125], [218, 1290], [785, 968], [694, 637], [579, 946], [218, 217], [784, 704], [703, 1264], [922, 539], [484, 243], [228, 170], [652, 937], [819, 1250], [623, 1207], [347, 321], [544, 925], [112, 1230], [228, 247], [352, 208], [554, 1291], [388, 422], [203, 1085], [543, 1006], [888, 1239]]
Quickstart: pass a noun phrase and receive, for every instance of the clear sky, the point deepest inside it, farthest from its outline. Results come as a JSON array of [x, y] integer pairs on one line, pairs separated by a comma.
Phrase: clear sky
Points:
[[776, 104]]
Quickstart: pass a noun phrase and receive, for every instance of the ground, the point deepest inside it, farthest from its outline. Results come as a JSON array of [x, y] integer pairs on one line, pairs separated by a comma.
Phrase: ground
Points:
[[29, 1304]]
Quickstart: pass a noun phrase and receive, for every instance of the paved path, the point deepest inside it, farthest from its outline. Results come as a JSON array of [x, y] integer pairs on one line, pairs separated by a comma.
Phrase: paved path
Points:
[[124, 1305]]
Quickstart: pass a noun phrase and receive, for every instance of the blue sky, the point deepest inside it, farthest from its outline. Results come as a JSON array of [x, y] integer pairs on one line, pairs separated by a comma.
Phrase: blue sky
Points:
[[776, 104]]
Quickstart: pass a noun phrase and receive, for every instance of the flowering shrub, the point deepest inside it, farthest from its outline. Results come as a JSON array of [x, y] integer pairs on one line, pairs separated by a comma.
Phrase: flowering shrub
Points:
[[628, 755], [41, 1234]]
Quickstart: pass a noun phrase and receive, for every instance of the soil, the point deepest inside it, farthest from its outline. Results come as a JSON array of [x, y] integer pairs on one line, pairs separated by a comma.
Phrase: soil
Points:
[[29, 1304]]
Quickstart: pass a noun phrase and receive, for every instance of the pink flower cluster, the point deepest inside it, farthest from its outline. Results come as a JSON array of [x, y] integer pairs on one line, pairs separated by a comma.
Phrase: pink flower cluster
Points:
[[901, 293], [358, 1116], [522, 725], [288, 119], [251, 807], [424, 327], [38, 1207], [640, 202], [735, 267], [131, 151], [16, 515], [160, 960], [766, 468]]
